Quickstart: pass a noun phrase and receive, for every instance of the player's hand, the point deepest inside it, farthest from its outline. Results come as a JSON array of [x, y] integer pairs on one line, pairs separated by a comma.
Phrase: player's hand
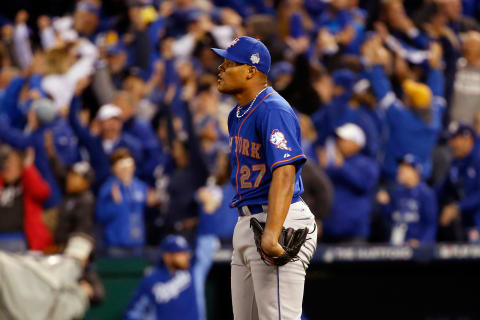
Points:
[[270, 245], [449, 213]]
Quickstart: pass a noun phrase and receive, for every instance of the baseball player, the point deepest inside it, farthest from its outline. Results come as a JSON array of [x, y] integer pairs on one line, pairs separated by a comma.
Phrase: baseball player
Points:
[[275, 235]]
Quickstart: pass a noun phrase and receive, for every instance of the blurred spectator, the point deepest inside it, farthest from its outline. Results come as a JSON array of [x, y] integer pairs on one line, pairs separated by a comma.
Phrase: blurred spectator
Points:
[[345, 22], [22, 194], [190, 173], [41, 118], [460, 191], [216, 223], [168, 292], [86, 17], [410, 206], [354, 177], [466, 92], [142, 130], [67, 64], [345, 108], [78, 206], [121, 205], [107, 138], [414, 122]]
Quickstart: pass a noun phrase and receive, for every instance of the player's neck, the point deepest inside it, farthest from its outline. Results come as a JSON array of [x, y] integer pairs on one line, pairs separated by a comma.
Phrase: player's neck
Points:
[[249, 94]]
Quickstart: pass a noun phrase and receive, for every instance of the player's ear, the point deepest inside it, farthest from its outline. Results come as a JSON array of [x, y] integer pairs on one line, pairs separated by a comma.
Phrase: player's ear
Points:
[[251, 72]]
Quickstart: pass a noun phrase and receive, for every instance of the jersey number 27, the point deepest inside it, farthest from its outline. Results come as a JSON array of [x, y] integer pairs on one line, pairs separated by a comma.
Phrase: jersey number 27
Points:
[[246, 173]]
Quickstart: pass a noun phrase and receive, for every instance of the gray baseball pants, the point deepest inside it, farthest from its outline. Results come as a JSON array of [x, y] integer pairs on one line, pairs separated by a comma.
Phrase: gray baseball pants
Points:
[[264, 292]]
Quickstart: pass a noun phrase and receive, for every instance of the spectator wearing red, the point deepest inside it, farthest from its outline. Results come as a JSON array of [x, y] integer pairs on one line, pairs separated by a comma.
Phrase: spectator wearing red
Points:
[[22, 194]]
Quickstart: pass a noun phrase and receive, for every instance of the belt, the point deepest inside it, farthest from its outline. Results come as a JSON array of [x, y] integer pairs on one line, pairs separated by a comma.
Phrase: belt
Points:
[[252, 209]]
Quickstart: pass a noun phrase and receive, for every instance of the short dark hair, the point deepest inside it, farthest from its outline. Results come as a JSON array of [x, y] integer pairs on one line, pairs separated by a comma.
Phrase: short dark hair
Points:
[[119, 154]]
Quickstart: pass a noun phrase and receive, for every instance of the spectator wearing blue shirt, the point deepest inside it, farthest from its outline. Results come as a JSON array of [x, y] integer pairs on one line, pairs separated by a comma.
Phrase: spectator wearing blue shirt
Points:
[[345, 108], [414, 122], [168, 292], [354, 177], [110, 137], [121, 205], [460, 192], [410, 206]]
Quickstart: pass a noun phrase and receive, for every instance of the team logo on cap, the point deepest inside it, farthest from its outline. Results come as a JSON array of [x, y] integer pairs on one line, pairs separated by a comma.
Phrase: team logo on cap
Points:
[[277, 138], [234, 42], [255, 58]]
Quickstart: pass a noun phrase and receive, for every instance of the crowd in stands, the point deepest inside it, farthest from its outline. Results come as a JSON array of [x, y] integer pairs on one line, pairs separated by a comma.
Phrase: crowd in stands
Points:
[[111, 123]]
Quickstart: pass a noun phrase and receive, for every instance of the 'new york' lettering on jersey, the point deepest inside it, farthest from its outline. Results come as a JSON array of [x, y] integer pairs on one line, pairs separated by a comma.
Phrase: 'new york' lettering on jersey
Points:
[[265, 138]]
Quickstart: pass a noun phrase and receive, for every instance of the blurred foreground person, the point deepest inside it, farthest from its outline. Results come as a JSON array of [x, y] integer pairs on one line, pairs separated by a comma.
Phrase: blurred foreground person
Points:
[[168, 291], [46, 287]]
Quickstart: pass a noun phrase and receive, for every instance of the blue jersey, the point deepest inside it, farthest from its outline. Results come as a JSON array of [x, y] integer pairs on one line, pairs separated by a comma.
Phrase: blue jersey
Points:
[[265, 138], [162, 295]]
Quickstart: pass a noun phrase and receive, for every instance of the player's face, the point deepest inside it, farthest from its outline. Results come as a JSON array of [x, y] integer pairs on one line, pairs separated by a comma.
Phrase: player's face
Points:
[[232, 77]]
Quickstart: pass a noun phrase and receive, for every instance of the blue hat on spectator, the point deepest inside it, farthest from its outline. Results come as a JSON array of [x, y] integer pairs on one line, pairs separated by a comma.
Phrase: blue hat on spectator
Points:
[[247, 50], [344, 78], [413, 161], [280, 68], [174, 243], [456, 129]]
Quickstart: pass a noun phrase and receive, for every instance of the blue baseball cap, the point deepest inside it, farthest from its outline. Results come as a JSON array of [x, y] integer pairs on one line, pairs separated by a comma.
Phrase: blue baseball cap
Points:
[[247, 50], [456, 129], [412, 161], [174, 243]]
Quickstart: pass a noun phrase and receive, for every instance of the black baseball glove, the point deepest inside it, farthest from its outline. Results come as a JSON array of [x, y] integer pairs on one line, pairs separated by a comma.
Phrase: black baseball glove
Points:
[[291, 241]]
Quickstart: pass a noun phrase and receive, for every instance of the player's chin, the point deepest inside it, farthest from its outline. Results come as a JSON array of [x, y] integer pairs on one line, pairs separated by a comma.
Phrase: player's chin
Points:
[[225, 89], [221, 86]]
